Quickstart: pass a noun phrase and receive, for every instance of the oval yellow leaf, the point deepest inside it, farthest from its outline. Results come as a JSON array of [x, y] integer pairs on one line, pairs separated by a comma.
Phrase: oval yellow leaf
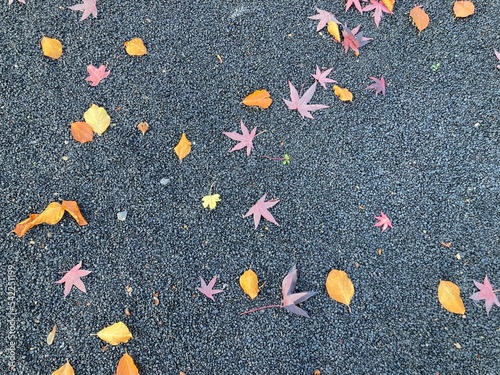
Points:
[[449, 297], [126, 366], [344, 94], [389, 4], [97, 118], [258, 98], [51, 47], [135, 47], [249, 282], [420, 18], [463, 8], [339, 287], [66, 369], [51, 335], [115, 334], [81, 132], [183, 148], [333, 30]]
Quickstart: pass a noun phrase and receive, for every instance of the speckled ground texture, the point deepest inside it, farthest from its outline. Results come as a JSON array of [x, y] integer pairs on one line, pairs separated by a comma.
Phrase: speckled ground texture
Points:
[[426, 154]]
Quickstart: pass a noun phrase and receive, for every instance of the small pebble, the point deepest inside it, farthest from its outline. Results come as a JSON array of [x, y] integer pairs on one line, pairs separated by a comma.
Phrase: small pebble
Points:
[[122, 215]]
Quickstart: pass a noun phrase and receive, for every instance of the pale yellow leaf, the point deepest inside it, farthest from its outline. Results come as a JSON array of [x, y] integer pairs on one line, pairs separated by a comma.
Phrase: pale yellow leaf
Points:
[[65, 369], [51, 335], [115, 334], [210, 201], [449, 297], [340, 287], [249, 282], [97, 118]]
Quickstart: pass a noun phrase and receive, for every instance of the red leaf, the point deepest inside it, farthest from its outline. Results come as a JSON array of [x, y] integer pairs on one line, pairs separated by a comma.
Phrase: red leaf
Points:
[[487, 293], [378, 85], [245, 138], [96, 74], [208, 289], [72, 277], [301, 103], [260, 209]]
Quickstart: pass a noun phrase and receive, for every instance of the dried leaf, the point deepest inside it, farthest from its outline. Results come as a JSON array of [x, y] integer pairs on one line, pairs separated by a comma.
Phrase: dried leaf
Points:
[[72, 278], [96, 75], [389, 4], [249, 282], [183, 148], [72, 208], [82, 132], [126, 366], [208, 290], [463, 9], [333, 30], [51, 335], [420, 18], [344, 94], [51, 47], [245, 139], [51, 215], [66, 369], [210, 201], [135, 47], [115, 334], [340, 287], [97, 118], [143, 127], [259, 98], [449, 297]]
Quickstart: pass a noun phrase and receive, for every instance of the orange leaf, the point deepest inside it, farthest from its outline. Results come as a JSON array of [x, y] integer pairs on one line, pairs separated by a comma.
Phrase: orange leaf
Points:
[[24, 226], [339, 287], [51, 47], [344, 94], [183, 148], [126, 366], [259, 98], [135, 47], [449, 297], [82, 132], [66, 369], [463, 8], [51, 215], [420, 18], [389, 4], [249, 282], [333, 30], [143, 127], [71, 207]]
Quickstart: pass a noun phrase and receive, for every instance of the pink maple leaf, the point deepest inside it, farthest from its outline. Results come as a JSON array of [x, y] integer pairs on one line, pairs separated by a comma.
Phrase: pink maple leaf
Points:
[[379, 8], [323, 17], [88, 7], [72, 278], [322, 76], [378, 85], [245, 138], [487, 293], [21, 1], [383, 221], [96, 74], [301, 103], [353, 39], [355, 3], [497, 54], [260, 209], [208, 290]]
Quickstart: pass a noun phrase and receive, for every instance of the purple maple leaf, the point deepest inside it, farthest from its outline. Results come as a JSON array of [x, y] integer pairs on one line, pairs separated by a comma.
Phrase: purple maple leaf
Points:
[[21, 1], [497, 54], [355, 3], [487, 293], [383, 221], [301, 103], [72, 277], [323, 17], [353, 39], [322, 76], [96, 74], [245, 138], [88, 7], [378, 85], [260, 209], [379, 8], [208, 290]]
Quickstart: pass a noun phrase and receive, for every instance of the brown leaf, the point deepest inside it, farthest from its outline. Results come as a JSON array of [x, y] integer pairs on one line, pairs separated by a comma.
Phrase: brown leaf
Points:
[[143, 127], [259, 98], [72, 208], [449, 297], [135, 47], [51, 47], [344, 94], [249, 282], [82, 132], [126, 366], [183, 148], [66, 369], [51, 335], [339, 287], [389, 4], [420, 18], [463, 9]]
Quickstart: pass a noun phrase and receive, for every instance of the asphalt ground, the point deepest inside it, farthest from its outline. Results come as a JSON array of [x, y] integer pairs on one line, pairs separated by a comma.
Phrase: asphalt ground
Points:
[[426, 154]]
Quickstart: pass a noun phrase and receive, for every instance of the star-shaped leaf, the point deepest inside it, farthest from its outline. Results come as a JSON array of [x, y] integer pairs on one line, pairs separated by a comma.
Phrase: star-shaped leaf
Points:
[[72, 277], [378, 85], [379, 8], [383, 221], [21, 1], [88, 7], [323, 17], [353, 39], [301, 103], [487, 293], [355, 3], [260, 209], [96, 75], [322, 76], [210, 201], [245, 138], [290, 299], [208, 289]]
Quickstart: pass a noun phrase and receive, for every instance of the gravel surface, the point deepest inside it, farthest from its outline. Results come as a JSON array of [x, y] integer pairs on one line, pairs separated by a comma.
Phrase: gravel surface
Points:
[[426, 154]]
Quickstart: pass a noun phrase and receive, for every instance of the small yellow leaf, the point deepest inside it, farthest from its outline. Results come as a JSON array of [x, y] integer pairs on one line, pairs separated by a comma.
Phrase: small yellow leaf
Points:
[[143, 127], [389, 4], [250, 283], [115, 334], [183, 148], [344, 94], [51, 47], [210, 201], [97, 118], [339, 287], [51, 335], [126, 366], [449, 297], [420, 18], [463, 9], [135, 47], [82, 132], [333, 30], [66, 369], [259, 98]]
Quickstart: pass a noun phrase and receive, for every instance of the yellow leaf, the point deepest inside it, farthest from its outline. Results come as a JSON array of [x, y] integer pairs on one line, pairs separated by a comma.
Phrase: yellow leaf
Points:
[[183, 148], [115, 334], [72, 208], [66, 369], [449, 297], [258, 98], [97, 118], [420, 18], [333, 30], [126, 366], [82, 132], [250, 283], [389, 4], [51, 335], [344, 94], [463, 8], [210, 201], [51, 47], [339, 287], [143, 127], [135, 47], [51, 215]]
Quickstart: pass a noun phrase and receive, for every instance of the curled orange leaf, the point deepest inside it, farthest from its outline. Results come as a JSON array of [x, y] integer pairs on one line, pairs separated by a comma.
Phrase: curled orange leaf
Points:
[[183, 148], [449, 297], [420, 18], [51, 47], [463, 9], [258, 98], [82, 132], [143, 127], [71, 207]]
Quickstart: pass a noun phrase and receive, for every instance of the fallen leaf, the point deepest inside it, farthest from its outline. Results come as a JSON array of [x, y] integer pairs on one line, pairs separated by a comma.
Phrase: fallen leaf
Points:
[[72, 278], [51, 215], [210, 201], [420, 18], [82, 132], [355, 3], [379, 9], [183, 148], [51, 335], [378, 85], [344, 94], [126, 366], [96, 75], [208, 290], [389, 4], [51, 47], [449, 297], [383, 221], [353, 39], [115, 334], [323, 17], [463, 9], [143, 127], [249, 282], [21, 1], [446, 244], [72, 208], [88, 7], [333, 30], [65, 369], [487, 293], [260, 209], [290, 299], [340, 287], [135, 47], [259, 98], [497, 54], [457, 345], [97, 118], [322, 76], [301, 103], [245, 139]]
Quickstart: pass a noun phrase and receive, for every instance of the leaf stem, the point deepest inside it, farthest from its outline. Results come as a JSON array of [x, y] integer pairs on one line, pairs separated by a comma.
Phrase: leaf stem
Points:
[[263, 131], [261, 308]]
